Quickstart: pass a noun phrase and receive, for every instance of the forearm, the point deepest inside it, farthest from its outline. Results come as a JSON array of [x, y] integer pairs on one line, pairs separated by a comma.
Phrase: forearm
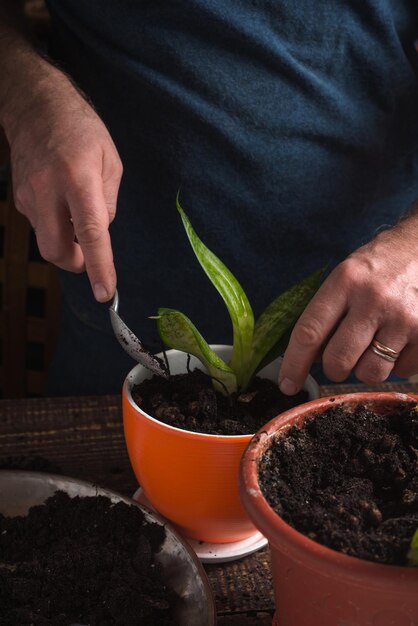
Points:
[[65, 168], [26, 77], [403, 234], [408, 224]]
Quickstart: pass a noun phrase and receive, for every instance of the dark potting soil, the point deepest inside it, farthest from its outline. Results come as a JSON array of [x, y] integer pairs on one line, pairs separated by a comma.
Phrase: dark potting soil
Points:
[[82, 561], [189, 401], [349, 481]]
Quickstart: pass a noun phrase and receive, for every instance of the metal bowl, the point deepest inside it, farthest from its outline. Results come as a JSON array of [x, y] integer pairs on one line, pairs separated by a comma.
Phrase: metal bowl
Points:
[[183, 571]]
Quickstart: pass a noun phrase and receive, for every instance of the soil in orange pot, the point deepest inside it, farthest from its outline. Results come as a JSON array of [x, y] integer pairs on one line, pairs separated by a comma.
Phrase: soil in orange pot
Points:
[[349, 480], [189, 401]]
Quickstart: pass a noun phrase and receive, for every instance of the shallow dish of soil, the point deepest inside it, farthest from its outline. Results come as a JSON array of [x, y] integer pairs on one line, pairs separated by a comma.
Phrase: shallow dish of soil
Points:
[[175, 585]]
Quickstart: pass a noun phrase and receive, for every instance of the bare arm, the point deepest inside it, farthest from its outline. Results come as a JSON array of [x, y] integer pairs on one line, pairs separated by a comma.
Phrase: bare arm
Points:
[[373, 294], [64, 162]]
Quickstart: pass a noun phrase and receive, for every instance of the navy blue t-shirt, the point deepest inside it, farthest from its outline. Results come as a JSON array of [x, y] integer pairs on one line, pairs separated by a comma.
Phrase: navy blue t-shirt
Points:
[[291, 129]]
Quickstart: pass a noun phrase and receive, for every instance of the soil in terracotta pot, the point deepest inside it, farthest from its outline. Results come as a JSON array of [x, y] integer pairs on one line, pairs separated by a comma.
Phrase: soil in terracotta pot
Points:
[[349, 481], [82, 561], [189, 401]]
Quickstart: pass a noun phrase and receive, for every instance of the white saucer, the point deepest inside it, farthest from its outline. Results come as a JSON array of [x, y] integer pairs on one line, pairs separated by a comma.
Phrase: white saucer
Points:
[[216, 552]]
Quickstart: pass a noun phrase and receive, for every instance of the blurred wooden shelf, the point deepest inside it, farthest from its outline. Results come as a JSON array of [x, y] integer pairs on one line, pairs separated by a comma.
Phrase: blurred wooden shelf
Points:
[[30, 300]]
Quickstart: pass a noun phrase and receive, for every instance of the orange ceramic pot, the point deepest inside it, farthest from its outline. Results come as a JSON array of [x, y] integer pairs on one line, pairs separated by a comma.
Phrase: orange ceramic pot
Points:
[[314, 585], [190, 478]]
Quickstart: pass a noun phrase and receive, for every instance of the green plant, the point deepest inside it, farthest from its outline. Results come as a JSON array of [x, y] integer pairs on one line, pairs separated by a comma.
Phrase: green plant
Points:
[[255, 343], [413, 550]]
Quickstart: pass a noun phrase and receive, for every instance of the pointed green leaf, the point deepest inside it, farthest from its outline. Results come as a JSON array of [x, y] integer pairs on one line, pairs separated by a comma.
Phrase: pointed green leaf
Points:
[[178, 332], [413, 551], [279, 318], [277, 351], [233, 295]]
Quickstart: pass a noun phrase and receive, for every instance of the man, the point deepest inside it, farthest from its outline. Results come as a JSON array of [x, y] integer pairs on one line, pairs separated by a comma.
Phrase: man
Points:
[[292, 131]]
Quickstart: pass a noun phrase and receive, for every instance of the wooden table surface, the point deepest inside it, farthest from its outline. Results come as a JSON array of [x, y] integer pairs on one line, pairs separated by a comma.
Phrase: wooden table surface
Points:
[[83, 437]]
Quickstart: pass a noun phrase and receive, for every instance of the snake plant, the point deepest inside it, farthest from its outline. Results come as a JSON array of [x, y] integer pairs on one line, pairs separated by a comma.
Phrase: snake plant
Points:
[[255, 343], [413, 551]]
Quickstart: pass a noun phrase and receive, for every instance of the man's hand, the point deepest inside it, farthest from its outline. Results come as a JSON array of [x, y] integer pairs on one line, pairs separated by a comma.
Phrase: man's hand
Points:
[[373, 294], [66, 174], [65, 167]]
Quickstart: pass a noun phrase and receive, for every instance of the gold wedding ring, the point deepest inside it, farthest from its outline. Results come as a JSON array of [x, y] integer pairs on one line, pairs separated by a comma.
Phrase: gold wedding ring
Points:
[[384, 351]]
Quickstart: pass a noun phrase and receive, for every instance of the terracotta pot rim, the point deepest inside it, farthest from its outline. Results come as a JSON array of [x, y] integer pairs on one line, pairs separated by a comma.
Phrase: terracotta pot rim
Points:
[[126, 391], [281, 534]]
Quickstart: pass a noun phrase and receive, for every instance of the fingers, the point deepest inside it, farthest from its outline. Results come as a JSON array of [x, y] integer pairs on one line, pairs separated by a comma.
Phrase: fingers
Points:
[[91, 219], [350, 311], [309, 335], [64, 164], [111, 175], [84, 242], [347, 345], [55, 238], [376, 364], [49, 217]]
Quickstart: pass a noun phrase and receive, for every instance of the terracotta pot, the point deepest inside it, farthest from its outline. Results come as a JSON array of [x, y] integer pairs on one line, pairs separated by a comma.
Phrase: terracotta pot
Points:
[[314, 585], [190, 478]]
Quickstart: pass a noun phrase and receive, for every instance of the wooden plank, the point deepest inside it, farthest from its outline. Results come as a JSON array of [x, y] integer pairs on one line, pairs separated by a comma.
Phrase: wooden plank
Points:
[[83, 437], [253, 593], [15, 291], [53, 304], [402, 387], [249, 619], [39, 274], [3, 209], [36, 329], [35, 382]]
